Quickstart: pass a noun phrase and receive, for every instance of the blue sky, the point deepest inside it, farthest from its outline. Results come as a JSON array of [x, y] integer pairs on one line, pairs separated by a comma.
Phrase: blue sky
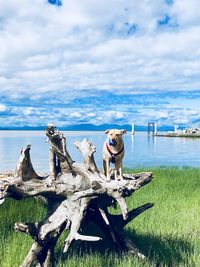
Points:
[[71, 62]]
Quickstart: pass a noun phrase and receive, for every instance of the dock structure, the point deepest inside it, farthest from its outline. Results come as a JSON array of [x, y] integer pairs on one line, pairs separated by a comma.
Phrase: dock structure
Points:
[[188, 132], [152, 127]]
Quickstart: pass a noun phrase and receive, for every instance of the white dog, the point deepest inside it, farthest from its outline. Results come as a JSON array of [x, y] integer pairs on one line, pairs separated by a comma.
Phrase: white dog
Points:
[[113, 151]]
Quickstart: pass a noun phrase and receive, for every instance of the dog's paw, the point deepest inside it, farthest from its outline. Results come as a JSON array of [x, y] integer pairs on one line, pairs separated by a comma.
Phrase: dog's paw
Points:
[[120, 178], [108, 179]]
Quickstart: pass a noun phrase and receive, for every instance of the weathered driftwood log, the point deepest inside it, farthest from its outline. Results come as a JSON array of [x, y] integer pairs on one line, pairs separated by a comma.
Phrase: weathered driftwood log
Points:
[[73, 193]]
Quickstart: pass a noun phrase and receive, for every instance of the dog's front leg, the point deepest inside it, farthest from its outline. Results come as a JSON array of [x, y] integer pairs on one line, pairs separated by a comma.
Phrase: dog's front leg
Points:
[[106, 167], [115, 172], [119, 169]]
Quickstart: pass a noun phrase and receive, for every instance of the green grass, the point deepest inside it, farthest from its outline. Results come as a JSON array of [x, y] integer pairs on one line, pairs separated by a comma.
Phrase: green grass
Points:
[[168, 233]]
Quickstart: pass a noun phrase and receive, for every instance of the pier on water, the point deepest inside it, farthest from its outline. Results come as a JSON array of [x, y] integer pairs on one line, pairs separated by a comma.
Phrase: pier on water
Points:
[[188, 132]]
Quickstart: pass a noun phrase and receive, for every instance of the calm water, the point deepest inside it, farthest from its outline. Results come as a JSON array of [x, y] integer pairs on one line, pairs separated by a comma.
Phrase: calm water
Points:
[[140, 151]]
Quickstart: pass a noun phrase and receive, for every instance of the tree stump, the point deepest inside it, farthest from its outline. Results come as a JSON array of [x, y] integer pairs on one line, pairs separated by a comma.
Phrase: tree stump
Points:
[[73, 193]]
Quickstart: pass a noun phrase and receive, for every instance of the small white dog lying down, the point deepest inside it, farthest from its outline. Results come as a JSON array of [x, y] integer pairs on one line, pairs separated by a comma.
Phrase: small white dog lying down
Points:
[[113, 151]]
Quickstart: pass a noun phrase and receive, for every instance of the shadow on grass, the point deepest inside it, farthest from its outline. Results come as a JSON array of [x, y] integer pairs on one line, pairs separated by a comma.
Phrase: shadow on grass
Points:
[[159, 250], [165, 250]]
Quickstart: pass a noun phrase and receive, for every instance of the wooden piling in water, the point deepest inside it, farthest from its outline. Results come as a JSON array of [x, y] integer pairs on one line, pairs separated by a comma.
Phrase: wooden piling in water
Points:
[[133, 128], [153, 126]]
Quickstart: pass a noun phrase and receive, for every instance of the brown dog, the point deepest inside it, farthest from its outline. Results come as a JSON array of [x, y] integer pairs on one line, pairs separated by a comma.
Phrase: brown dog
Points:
[[113, 151]]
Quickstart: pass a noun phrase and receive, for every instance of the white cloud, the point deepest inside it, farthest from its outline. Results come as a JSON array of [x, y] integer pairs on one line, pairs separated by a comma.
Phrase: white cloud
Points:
[[186, 12], [2, 108], [71, 47], [109, 116], [47, 51], [91, 114], [28, 111], [75, 114]]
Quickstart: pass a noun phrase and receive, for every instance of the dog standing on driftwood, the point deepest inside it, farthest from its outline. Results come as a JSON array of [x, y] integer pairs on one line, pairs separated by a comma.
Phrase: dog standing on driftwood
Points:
[[113, 151]]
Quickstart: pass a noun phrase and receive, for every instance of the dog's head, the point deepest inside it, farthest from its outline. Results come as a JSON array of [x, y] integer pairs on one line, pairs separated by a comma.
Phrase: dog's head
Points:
[[115, 136]]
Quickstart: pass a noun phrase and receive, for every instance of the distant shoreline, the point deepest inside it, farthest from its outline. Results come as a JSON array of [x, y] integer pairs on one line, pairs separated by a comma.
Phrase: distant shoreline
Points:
[[88, 127]]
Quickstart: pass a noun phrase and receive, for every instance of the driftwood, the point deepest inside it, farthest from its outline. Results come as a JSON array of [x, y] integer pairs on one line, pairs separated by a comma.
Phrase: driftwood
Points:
[[73, 193]]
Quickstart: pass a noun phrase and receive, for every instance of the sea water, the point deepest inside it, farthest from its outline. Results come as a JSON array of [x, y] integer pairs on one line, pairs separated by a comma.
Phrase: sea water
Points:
[[141, 150]]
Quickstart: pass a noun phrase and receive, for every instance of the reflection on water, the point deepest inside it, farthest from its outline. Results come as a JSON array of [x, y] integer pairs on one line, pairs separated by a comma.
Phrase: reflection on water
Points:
[[141, 149], [152, 140], [132, 142]]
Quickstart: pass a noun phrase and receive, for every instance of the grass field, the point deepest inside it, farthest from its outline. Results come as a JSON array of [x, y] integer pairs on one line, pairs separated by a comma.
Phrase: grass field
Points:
[[168, 233]]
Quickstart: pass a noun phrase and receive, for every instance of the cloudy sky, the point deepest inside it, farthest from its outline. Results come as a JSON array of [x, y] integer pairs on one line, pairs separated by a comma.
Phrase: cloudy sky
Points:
[[99, 62]]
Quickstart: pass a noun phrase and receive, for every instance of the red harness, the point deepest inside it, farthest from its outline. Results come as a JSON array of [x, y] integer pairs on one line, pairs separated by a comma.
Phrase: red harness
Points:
[[113, 155]]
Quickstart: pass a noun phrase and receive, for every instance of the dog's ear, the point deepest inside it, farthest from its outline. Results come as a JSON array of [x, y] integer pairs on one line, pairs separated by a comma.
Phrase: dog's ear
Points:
[[123, 131], [107, 131]]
